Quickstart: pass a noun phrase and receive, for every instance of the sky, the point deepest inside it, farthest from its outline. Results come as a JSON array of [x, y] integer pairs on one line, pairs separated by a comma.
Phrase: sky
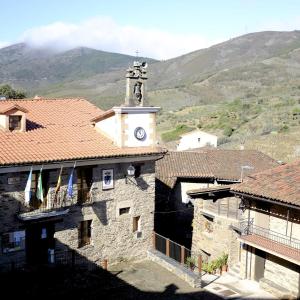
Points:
[[160, 29]]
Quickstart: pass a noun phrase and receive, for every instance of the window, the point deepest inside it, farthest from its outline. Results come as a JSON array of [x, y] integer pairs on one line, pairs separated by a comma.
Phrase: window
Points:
[[84, 184], [13, 241], [84, 233], [124, 211], [136, 224], [15, 122]]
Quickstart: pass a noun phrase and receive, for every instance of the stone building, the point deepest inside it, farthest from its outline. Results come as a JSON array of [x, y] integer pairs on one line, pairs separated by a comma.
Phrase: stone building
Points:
[[214, 214], [256, 222], [270, 231], [182, 171], [75, 177]]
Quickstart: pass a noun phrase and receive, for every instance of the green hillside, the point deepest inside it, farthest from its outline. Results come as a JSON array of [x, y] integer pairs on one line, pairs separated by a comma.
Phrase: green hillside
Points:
[[35, 69], [246, 88]]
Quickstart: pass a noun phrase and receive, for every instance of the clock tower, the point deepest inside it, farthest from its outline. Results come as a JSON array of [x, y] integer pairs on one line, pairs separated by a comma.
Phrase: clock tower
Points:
[[132, 124]]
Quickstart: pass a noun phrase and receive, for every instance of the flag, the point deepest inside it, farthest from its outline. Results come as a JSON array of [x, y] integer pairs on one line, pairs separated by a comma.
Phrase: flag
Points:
[[39, 190], [57, 188], [28, 188], [70, 185], [58, 181]]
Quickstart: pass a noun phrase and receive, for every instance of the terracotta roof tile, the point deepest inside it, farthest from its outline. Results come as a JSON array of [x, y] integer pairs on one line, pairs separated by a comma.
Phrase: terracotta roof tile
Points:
[[281, 183], [58, 129], [212, 163]]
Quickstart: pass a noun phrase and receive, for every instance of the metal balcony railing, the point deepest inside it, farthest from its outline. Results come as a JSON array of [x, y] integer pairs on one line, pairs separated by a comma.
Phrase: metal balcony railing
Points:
[[248, 228], [54, 203]]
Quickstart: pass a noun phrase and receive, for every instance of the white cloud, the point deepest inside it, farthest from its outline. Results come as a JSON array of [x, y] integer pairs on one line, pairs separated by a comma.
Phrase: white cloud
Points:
[[103, 33], [290, 25], [4, 44]]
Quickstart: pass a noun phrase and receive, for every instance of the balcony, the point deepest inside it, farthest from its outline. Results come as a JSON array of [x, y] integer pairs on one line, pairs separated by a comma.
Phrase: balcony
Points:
[[248, 228], [55, 204], [268, 240]]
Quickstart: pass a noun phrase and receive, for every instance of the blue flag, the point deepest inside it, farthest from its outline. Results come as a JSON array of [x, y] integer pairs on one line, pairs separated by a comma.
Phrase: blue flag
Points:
[[70, 185]]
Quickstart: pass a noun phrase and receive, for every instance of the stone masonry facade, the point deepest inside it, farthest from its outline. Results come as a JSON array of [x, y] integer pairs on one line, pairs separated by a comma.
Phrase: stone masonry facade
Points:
[[112, 235], [212, 234]]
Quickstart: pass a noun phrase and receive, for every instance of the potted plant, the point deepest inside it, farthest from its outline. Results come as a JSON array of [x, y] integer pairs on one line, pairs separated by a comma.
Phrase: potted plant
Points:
[[210, 269], [219, 264], [224, 259], [190, 262], [214, 266]]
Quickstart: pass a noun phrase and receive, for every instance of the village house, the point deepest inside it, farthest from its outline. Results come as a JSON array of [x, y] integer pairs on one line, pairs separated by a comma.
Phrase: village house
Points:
[[197, 139], [181, 171], [270, 229], [256, 223], [75, 177]]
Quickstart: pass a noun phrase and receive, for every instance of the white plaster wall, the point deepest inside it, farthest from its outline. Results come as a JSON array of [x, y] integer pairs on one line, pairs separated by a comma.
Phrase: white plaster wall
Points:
[[190, 141], [3, 121], [139, 120], [296, 231], [108, 127], [185, 186], [278, 225]]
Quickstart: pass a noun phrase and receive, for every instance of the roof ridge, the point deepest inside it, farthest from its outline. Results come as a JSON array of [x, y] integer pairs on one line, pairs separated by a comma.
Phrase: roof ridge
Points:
[[41, 99]]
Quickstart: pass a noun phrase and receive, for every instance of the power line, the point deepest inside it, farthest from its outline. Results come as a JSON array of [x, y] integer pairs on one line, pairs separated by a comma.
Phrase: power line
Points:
[[172, 211]]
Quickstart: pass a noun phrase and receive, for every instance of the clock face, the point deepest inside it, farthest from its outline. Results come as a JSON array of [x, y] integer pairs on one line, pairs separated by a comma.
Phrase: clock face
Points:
[[140, 133]]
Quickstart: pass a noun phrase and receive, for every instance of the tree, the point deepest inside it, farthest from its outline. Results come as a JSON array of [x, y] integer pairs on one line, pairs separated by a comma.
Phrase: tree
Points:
[[7, 91]]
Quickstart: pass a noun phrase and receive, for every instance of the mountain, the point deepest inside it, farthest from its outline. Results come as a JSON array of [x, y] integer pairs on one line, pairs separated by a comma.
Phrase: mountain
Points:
[[33, 68], [238, 68], [246, 87]]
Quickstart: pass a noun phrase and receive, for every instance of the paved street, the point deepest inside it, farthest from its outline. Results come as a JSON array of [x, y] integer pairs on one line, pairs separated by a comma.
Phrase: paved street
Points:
[[148, 277]]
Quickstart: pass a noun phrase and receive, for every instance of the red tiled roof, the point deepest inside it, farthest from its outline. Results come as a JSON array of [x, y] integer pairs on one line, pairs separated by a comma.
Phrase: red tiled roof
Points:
[[58, 129], [273, 247], [212, 163], [103, 115], [8, 107], [281, 183], [182, 164]]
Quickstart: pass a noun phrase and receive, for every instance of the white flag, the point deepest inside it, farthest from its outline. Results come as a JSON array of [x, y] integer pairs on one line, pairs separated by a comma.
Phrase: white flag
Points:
[[28, 188]]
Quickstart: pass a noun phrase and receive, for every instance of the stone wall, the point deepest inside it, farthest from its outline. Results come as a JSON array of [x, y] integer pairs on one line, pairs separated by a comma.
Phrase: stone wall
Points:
[[280, 277], [112, 234], [213, 235], [282, 273]]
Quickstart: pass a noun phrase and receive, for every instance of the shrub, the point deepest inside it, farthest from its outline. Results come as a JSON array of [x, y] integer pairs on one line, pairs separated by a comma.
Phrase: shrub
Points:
[[190, 262], [175, 134], [228, 131]]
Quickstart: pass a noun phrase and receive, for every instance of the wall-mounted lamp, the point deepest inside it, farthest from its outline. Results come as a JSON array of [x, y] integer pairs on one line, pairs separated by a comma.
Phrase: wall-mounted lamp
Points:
[[130, 174]]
